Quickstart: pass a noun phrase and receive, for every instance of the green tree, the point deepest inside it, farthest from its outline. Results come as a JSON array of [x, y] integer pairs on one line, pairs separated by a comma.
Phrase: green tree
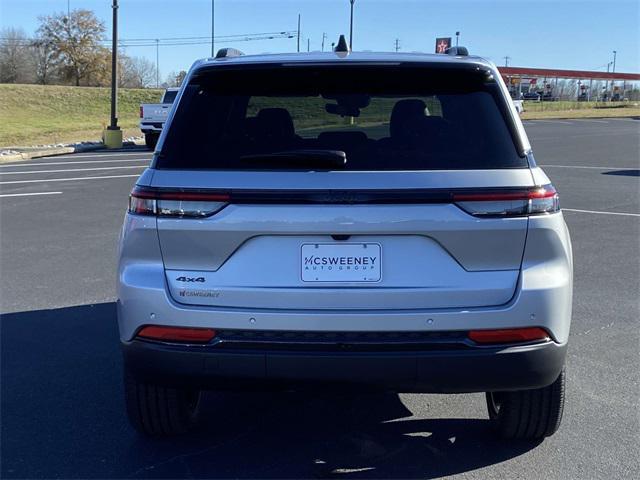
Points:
[[75, 43]]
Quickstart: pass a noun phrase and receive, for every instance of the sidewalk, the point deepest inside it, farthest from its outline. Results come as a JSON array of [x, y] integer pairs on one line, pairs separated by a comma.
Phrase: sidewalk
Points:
[[17, 154]]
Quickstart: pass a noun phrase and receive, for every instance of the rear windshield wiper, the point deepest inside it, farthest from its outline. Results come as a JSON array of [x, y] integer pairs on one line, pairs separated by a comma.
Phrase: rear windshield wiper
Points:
[[307, 158]]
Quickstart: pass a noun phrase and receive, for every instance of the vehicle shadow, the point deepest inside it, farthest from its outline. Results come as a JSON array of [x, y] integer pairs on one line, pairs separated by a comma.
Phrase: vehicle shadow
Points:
[[63, 416], [623, 173]]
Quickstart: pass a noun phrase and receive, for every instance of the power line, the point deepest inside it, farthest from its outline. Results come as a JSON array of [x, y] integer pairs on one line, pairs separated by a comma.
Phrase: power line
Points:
[[135, 42]]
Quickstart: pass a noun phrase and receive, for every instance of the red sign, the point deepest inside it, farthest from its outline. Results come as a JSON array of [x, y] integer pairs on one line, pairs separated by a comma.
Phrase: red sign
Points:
[[442, 44], [533, 81]]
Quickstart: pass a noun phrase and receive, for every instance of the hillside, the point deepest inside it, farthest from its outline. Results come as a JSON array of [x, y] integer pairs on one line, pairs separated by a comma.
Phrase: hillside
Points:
[[37, 114]]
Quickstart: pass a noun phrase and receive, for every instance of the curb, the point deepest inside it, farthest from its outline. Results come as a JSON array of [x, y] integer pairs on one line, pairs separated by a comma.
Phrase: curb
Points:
[[16, 157], [49, 152]]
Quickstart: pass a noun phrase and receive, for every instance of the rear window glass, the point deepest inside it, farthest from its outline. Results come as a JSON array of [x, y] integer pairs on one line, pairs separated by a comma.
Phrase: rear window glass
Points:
[[378, 118], [169, 96]]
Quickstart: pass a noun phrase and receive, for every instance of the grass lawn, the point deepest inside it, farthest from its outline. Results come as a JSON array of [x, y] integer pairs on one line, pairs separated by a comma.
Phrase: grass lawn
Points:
[[37, 114], [572, 109]]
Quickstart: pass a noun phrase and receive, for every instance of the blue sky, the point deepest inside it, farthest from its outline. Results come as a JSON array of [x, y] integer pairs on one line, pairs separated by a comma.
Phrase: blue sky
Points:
[[534, 33]]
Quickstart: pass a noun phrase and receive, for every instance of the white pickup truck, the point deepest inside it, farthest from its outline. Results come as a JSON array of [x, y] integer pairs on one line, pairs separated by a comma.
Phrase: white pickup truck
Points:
[[153, 116]]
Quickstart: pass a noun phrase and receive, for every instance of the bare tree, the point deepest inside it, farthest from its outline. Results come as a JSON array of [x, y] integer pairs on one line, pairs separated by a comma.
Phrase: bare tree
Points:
[[136, 72], [16, 63], [174, 79], [171, 80], [75, 41], [43, 56], [180, 77]]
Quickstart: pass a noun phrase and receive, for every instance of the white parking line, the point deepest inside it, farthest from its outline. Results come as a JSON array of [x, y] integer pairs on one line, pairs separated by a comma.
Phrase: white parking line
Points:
[[28, 194], [71, 170], [554, 121], [590, 167], [592, 120], [47, 180], [21, 164], [601, 213], [101, 153]]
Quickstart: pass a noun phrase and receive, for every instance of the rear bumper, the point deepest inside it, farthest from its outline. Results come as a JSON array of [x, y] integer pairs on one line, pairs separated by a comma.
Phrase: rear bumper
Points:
[[154, 127], [474, 369]]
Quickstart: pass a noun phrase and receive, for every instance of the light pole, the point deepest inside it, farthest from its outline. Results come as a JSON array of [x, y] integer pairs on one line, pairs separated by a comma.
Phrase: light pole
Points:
[[457, 37], [113, 134], [298, 33], [213, 53], [606, 84], [351, 26], [613, 70], [157, 62]]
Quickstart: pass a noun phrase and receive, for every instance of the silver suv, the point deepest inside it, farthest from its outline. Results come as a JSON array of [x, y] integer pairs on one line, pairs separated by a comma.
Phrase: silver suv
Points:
[[343, 219]]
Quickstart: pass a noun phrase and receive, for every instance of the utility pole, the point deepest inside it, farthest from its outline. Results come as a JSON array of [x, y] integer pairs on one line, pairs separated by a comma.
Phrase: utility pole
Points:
[[324, 37], [213, 52], [457, 37], [298, 33], [397, 44], [68, 8], [351, 27], [308, 45], [157, 62], [506, 60], [113, 134]]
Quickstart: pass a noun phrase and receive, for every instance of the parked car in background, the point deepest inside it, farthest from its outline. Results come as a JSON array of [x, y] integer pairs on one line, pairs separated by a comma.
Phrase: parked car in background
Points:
[[531, 96], [153, 116], [373, 220]]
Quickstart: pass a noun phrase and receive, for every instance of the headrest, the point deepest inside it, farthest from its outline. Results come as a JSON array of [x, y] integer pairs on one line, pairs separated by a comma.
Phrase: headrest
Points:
[[406, 114], [275, 123]]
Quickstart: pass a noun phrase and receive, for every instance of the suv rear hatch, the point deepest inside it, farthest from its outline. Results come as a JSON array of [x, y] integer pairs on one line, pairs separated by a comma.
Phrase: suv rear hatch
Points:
[[341, 187]]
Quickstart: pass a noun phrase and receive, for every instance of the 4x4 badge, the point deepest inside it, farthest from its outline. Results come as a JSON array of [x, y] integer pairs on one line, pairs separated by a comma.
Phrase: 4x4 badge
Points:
[[190, 279]]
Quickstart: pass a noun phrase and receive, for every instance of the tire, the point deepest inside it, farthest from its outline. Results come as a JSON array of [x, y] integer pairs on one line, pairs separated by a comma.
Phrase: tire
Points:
[[528, 414], [150, 140], [160, 411]]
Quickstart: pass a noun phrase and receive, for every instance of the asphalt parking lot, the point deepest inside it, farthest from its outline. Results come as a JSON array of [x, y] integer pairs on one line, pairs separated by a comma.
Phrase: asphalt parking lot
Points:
[[62, 412]]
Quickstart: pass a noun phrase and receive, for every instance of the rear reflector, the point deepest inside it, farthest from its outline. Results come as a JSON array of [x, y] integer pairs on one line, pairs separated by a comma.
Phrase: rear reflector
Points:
[[177, 334], [511, 335]]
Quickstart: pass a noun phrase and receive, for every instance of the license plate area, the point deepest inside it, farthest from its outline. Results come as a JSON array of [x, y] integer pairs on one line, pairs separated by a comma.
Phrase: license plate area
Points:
[[344, 262]]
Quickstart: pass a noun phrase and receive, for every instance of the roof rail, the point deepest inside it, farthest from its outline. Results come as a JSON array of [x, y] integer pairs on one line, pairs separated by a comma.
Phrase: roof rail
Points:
[[228, 53], [457, 51]]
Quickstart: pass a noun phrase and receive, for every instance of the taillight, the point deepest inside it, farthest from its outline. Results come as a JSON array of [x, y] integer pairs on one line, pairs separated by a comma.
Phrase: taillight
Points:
[[144, 201], [509, 335], [177, 334], [530, 201], [141, 112]]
